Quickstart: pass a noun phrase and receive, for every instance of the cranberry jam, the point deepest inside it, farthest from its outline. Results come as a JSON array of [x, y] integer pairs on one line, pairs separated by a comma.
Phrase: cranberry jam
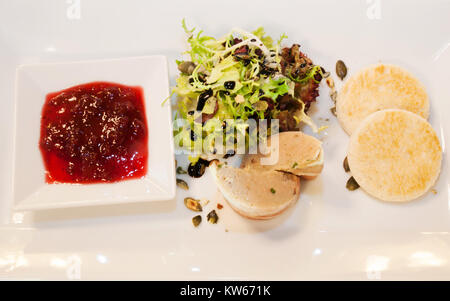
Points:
[[94, 132]]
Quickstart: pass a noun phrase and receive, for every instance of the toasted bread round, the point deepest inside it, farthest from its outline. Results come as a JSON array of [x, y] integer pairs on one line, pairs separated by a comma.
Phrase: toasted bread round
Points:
[[395, 155], [376, 88], [298, 154], [256, 194]]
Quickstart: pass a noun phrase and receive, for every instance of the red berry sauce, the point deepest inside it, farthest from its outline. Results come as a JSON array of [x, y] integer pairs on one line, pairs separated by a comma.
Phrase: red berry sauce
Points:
[[95, 132]]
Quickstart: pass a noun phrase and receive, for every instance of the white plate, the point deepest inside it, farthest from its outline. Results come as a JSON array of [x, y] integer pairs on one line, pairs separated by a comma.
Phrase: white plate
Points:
[[34, 82], [330, 234]]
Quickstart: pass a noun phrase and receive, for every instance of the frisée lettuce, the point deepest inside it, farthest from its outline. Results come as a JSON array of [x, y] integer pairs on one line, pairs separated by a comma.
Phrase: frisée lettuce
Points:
[[241, 76]]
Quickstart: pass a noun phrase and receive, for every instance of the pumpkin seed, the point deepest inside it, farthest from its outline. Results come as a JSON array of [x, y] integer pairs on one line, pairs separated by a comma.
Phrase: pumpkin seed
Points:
[[352, 184], [345, 164], [212, 217], [193, 204], [260, 105], [196, 220], [181, 171], [186, 67], [333, 111], [182, 184], [341, 69]]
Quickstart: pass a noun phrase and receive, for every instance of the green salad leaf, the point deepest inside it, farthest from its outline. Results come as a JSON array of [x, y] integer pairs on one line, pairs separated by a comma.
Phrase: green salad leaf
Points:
[[237, 77]]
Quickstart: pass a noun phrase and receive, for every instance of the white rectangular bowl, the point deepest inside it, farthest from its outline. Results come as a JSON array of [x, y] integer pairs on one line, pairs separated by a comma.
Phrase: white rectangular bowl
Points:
[[34, 82]]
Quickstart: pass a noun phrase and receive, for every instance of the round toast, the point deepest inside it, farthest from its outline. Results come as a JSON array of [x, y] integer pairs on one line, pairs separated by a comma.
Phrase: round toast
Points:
[[376, 88], [395, 155]]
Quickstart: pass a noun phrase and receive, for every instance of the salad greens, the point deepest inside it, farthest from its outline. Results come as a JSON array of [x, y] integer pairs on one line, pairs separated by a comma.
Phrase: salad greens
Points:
[[238, 77]]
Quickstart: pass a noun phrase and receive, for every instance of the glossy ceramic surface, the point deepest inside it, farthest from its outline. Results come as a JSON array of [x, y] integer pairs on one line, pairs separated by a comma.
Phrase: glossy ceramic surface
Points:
[[330, 234]]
